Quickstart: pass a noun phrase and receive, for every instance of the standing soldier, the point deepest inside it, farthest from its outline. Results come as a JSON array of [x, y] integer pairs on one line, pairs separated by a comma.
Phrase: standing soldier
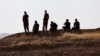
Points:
[[25, 22], [45, 21]]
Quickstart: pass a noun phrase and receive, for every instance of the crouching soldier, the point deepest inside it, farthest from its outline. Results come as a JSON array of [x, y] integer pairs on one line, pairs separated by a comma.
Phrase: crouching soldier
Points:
[[76, 26], [36, 28], [53, 27], [67, 25]]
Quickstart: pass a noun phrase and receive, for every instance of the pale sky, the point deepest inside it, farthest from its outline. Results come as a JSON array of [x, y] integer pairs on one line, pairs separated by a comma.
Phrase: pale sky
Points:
[[11, 12]]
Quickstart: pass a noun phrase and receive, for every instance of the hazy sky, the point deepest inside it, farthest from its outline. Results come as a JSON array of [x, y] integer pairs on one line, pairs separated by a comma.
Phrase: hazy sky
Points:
[[11, 12]]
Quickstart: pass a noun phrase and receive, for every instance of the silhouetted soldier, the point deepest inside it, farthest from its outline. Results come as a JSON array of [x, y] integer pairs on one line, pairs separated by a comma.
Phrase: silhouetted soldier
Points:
[[45, 21], [76, 25], [67, 25], [53, 26], [25, 22], [36, 27]]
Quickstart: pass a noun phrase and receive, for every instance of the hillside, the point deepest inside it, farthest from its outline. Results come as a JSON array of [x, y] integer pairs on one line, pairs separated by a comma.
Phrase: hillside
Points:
[[60, 43]]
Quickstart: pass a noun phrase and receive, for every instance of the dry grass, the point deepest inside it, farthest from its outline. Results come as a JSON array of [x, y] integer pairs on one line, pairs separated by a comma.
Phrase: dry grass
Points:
[[84, 35], [67, 44], [66, 38], [21, 40]]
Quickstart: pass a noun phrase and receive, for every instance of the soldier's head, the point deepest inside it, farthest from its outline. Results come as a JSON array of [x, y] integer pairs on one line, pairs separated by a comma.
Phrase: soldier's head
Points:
[[35, 22], [25, 12], [45, 11], [76, 20], [67, 20], [51, 22]]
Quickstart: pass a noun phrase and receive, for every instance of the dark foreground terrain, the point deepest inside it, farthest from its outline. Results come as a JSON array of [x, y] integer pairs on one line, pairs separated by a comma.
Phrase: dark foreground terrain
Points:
[[56, 44]]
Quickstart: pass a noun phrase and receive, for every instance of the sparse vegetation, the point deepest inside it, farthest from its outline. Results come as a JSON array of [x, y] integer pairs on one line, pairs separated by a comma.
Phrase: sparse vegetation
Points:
[[84, 35], [63, 44]]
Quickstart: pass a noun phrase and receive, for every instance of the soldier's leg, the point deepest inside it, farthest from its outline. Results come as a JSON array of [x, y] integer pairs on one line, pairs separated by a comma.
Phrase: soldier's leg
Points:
[[28, 28], [46, 27], [43, 27], [25, 28]]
